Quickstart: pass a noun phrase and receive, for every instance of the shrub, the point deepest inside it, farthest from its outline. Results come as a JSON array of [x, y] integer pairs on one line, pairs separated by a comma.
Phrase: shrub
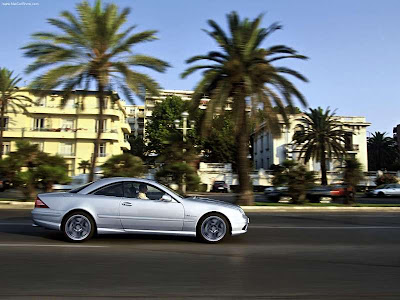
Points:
[[386, 179]]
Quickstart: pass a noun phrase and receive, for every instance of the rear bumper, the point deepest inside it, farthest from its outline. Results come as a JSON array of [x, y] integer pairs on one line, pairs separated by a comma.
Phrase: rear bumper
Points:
[[47, 219]]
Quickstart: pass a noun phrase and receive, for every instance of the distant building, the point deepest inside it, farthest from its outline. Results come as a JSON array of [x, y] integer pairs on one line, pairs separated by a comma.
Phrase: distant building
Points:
[[396, 134], [136, 118], [70, 131], [269, 150]]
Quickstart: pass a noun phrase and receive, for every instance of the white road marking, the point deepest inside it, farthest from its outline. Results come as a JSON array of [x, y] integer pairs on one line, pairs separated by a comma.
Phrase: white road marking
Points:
[[323, 227], [50, 245]]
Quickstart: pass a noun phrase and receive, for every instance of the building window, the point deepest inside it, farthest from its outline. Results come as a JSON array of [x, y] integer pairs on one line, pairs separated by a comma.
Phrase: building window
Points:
[[66, 149], [40, 145], [102, 150], [70, 103], [38, 124], [6, 147], [104, 125], [5, 122], [67, 124]]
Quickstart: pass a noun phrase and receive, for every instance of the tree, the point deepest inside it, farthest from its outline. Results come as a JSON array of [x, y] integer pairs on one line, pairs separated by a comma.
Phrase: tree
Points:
[[28, 168], [386, 179], [123, 165], [321, 138], [93, 49], [243, 73], [352, 176], [174, 172], [296, 178], [161, 124], [84, 164], [9, 99], [138, 147], [220, 145], [382, 151]]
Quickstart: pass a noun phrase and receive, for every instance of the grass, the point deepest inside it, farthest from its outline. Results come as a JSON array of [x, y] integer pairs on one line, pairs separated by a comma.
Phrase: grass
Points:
[[326, 204]]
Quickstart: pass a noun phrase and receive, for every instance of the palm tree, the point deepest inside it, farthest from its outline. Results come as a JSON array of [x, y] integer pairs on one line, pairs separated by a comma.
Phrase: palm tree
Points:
[[84, 164], [242, 72], [321, 138], [93, 50], [9, 99], [382, 151]]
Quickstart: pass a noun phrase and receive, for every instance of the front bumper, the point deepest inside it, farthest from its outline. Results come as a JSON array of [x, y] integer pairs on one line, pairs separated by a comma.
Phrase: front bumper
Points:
[[242, 227]]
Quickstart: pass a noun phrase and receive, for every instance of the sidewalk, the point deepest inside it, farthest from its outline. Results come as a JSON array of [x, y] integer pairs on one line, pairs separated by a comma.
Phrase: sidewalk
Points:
[[252, 209]]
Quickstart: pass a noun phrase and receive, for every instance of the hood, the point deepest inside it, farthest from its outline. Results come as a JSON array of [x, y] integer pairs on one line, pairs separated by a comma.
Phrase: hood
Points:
[[211, 201]]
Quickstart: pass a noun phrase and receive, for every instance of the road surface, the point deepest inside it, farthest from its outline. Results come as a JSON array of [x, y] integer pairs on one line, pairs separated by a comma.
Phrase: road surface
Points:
[[283, 256]]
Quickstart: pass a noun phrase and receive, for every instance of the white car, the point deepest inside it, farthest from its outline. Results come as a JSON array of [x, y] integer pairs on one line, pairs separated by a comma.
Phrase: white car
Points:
[[392, 189], [133, 205]]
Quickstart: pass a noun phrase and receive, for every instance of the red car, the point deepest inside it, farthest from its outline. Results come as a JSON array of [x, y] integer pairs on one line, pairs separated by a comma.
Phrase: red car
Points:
[[339, 191]]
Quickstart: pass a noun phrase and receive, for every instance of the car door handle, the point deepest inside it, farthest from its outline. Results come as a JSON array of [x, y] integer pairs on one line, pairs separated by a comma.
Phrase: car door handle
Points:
[[126, 203]]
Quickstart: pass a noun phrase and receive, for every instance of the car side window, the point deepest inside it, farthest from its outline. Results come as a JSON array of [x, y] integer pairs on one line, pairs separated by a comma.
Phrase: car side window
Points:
[[131, 189], [141, 190], [115, 190]]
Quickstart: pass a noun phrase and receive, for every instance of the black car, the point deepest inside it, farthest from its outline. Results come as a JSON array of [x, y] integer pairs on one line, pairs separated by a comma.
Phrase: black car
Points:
[[316, 193], [220, 186]]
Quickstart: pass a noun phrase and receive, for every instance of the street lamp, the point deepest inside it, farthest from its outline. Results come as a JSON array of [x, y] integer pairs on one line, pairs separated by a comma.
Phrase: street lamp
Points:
[[184, 129]]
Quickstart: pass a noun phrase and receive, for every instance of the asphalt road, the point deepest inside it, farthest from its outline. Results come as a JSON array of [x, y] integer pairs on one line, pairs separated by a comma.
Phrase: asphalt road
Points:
[[283, 256]]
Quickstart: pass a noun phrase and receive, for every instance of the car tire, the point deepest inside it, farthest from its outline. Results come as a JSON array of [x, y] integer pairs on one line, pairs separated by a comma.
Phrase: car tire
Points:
[[381, 195], [213, 228], [78, 227]]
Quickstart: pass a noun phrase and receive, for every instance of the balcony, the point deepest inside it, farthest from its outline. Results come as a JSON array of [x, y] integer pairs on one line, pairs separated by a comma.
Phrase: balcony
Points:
[[126, 128], [352, 148], [72, 111], [59, 133]]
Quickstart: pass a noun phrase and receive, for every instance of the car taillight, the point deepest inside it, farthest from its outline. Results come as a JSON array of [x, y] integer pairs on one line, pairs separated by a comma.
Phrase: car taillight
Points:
[[40, 204], [335, 193]]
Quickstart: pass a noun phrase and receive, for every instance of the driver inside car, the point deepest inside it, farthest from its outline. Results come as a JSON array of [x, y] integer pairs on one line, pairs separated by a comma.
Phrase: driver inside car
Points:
[[142, 191]]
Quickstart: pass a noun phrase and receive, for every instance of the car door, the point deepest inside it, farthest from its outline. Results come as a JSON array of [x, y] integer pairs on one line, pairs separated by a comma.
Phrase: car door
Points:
[[152, 213], [396, 190], [105, 201], [390, 189]]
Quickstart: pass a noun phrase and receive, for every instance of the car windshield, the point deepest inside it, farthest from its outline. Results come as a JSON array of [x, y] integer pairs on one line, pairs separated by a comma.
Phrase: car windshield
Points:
[[78, 189]]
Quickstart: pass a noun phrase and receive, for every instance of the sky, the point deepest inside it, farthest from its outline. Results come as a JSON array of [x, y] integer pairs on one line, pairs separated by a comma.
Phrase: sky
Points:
[[353, 45]]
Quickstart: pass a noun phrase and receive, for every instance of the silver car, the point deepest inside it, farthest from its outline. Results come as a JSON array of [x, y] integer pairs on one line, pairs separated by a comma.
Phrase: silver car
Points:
[[131, 205], [392, 189]]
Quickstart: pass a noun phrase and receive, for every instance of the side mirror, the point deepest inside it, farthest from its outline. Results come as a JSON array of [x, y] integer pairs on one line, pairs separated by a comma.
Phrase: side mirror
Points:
[[166, 198]]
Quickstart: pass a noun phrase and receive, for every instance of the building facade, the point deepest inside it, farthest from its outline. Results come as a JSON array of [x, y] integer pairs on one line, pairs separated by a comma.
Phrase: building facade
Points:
[[69, 131], [269, 150], [396, 134]]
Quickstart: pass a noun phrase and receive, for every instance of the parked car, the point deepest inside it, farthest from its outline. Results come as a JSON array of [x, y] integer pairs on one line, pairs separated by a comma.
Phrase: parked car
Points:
[[220, 186], [131, 205], [4, 184], [274, 194], [339, 191], [386, 190], [319, 192]]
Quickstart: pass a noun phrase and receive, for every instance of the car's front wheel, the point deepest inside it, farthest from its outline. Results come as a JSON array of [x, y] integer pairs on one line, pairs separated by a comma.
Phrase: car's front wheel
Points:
[[213, 228], [78, 227]]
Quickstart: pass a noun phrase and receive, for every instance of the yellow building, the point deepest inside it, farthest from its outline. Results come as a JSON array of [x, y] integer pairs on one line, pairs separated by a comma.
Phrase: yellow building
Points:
[[70, 131]]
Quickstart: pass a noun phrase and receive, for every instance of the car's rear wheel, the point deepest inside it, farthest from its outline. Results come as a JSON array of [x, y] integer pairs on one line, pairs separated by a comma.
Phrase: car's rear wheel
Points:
[[213, 228], [381, 195], [78, 227]]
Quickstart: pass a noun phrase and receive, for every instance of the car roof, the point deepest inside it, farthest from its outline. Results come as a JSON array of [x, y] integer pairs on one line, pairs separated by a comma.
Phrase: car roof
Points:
[[105, 181]]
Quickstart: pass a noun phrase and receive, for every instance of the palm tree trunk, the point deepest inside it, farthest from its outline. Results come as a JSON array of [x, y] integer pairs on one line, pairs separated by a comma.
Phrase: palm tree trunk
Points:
[[100, 119], [324, 180], [2, 111], [243, 167]]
